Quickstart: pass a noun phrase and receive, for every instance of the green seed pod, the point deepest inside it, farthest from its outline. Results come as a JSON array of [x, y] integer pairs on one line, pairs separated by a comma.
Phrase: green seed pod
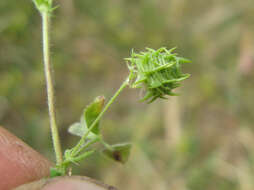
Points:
[[157, 71]]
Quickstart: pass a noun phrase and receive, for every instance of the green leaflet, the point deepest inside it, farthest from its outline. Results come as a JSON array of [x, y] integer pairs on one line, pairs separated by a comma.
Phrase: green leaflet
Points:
[[90, 113], [77, 129], [118, 152]]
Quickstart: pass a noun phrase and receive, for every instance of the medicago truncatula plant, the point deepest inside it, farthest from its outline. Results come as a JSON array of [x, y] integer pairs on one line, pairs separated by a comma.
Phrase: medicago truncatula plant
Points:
[[157, 72]]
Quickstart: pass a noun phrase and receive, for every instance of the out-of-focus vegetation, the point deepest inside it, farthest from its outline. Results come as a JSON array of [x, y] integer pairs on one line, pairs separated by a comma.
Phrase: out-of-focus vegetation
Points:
[[203, 139]]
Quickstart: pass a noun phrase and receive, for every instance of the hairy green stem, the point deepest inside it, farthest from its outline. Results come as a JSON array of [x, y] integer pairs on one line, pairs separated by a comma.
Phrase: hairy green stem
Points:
[[69, 160], [78, 147], [93, 141], [50, 89]]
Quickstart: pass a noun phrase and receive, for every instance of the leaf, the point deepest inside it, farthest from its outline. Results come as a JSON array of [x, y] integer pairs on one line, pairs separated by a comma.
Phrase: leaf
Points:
[[91, 112], [118, 152], [77, 129], [89, 115]]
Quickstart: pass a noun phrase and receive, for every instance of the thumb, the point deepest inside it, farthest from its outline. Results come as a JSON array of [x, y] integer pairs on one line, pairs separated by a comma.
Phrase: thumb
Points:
[[66, 183], [19, 163]]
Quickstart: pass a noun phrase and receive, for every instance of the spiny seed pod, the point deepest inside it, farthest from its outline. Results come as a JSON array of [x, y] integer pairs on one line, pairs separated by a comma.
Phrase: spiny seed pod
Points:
[[157, 71]]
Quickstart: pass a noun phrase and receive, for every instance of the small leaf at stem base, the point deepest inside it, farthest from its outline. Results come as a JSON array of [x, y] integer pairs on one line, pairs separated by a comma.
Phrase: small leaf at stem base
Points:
[[118, 152]]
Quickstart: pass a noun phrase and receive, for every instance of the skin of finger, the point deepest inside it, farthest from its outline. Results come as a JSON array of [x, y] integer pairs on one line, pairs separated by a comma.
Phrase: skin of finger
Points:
[[19, 163], [66, 183]]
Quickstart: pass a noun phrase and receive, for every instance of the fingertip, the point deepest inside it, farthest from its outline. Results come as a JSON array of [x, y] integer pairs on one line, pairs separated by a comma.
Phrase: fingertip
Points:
[[66, 183], [69, 184], [19, 163]]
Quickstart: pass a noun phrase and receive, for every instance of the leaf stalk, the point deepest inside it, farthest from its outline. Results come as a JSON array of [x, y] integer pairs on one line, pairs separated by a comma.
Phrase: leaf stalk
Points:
[[77, 148]]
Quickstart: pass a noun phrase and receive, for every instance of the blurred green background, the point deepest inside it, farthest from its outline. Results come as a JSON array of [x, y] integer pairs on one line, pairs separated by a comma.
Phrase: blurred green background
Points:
[[203, 139]]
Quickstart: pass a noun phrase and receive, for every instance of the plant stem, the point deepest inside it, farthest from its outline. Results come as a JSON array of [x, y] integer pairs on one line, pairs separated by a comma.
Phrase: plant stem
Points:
[[77, 148], [67, 161], [93, 141], [50, 89], [108, 146]]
